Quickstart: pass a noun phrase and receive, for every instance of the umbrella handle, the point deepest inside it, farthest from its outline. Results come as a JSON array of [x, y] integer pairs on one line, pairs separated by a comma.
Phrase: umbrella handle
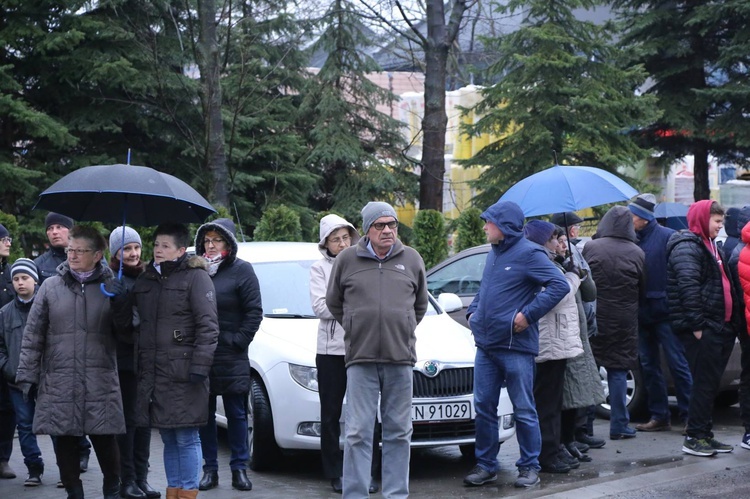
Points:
[[105, 292]]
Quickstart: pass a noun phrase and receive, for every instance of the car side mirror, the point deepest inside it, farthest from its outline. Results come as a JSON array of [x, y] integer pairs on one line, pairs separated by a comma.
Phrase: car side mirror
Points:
[[450, 302]]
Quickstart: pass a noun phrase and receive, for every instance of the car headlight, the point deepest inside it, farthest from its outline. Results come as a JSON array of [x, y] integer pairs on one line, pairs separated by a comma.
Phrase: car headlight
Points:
[[306, 377]]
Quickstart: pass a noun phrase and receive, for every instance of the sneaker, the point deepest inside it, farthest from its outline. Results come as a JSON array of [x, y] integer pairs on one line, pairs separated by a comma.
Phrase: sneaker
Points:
[[697, 447], [527, 477], [35, 477], [592, 442], [745, 444], [60, 485], [627, 432], [479, 476], [555, 466], [719, 446], [654, 425]]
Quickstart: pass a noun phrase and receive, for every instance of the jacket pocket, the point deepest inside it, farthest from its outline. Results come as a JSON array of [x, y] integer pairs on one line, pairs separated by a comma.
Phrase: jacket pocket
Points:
[[180, 359]]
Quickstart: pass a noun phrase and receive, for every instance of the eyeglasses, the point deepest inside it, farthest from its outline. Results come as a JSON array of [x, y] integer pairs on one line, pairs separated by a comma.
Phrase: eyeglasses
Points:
[[216, 241], [382, 225], [339, 240], [7, 240], [78, 252]]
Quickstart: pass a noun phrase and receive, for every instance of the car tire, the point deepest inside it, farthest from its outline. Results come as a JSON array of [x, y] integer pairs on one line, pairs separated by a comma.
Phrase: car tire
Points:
[[264, 452], [637, 401]]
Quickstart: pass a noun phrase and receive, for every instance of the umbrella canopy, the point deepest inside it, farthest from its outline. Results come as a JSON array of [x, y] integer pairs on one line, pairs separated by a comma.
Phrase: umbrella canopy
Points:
[[675, 215], [567, 188], [114, 193]]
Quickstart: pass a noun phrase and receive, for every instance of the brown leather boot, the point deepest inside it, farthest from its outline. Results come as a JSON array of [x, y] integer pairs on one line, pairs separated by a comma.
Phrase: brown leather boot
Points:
[[188, 494], [173, 493]]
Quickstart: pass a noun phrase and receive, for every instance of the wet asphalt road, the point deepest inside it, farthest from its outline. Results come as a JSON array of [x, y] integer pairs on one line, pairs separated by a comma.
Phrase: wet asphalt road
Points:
[[650, 465]]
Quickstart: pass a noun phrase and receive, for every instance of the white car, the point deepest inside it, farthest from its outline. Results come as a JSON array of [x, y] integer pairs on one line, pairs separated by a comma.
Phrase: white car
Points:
[[284, 404]]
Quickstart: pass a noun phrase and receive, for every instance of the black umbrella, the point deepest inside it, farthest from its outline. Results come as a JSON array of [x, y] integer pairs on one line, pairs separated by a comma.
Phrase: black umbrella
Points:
[[120, 193]]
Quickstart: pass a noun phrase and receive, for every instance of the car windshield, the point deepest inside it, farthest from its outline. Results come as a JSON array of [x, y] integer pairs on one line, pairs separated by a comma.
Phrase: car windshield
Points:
[[285, 291]]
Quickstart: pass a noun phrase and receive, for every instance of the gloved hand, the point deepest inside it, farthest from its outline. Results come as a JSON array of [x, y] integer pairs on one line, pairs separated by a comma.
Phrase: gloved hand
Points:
[[117, 288], [570, 266], [29, 391], [197, 378]]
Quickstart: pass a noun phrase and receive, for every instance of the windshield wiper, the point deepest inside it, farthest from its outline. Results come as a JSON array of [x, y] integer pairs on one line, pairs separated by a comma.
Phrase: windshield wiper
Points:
[[289, 316]]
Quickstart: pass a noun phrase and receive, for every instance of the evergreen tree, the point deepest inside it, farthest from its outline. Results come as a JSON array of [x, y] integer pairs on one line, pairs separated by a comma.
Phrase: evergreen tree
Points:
[[429, 235], [470, 232], [355, 149], [562, 90], [279, 223]]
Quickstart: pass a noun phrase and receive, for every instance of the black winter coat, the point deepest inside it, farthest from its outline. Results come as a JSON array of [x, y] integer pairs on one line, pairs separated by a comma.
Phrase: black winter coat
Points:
[[176, 338], [240, 313], [7, 293], [49, 261], [694, 286], [617, 266], [126, 348], [12, 321]]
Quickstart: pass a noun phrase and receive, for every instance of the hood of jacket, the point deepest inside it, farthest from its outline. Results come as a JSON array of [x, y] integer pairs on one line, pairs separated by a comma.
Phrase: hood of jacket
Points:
[[228, 236], [617, 222], [743, 218], [731, 220], [509, 218], [331, 223], [698, 217]]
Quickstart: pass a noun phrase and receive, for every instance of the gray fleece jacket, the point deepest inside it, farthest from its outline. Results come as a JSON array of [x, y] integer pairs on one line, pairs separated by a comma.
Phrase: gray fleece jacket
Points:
[[378, 302]]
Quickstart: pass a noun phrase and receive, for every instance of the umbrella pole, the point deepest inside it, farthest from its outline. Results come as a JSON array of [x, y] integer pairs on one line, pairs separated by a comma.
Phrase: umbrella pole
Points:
[[567, 236]]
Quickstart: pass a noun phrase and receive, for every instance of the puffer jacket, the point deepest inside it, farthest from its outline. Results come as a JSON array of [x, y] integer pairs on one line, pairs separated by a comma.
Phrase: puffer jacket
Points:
[[743, 272], [69, 351], [330, 332], [732, 268], [582, 386], [177, 337], [559, 329], [617, 265], [379, 303], [7, 292], [13, 318], [48, 262], [240, 312], [695, 281]]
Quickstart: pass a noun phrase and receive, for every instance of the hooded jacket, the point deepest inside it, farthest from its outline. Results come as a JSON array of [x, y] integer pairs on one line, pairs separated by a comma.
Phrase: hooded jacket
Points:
[[330, 332], [13, 318], [654, 306], [240, 312], [69, 352], [617, 265], [378, 302], [514, 275], [743, 270], [741, 313], [733, 230], [695, 279]]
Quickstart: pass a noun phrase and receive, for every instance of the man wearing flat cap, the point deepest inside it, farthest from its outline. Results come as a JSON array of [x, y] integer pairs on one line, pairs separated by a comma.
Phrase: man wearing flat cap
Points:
[[378, 293], [654, 327], [57, 227]]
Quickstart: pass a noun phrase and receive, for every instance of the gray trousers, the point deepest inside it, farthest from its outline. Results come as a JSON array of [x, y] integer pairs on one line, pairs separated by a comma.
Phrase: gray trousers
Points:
[[394, 385]]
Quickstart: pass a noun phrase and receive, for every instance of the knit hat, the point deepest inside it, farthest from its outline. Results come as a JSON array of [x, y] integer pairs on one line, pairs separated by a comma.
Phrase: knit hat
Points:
[[570, 217], [538, 231], [24, 266], [374, 210], [3, 232], [57, 219], [117, 241], [643, 206]]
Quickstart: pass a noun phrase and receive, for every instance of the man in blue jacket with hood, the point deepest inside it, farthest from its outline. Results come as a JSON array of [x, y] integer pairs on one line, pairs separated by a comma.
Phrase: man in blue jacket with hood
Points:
[[520, 285]]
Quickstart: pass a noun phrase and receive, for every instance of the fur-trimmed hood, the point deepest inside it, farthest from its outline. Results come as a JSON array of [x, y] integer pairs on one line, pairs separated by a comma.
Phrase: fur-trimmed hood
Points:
[[223, 226]]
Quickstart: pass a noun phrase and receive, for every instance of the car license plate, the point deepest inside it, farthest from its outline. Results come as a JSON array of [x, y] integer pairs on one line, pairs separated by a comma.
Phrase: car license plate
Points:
[[441, 411]]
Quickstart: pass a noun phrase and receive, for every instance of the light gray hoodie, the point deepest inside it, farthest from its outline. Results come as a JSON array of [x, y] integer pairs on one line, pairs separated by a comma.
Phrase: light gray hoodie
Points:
[[330, 332]]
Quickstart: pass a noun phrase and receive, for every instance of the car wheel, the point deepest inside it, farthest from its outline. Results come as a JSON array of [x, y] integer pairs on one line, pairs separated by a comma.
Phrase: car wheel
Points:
[[635, 397], [264, 452]]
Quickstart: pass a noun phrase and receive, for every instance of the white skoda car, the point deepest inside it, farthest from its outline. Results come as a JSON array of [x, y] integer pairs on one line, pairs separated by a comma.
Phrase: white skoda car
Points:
[[284, 405]]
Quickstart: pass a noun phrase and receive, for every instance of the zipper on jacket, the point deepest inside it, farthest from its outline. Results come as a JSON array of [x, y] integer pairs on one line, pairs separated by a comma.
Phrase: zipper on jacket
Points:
[[512, 324]]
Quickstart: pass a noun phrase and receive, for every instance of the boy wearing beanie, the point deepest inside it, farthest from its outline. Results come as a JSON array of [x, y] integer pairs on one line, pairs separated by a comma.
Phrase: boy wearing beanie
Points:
[[12, 322]]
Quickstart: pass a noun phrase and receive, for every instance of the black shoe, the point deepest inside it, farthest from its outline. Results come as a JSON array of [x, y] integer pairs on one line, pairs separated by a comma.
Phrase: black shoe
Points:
[[479, 476], [130, 490], [111, 489], [336, 485], [60, 485], [578, 445], [575, 451], [374, 487], [209, 481], [240, 480], [567, 458], [148, 489], [84, 463], [35, 476], [75, 491], [555, 466], [592, 442]]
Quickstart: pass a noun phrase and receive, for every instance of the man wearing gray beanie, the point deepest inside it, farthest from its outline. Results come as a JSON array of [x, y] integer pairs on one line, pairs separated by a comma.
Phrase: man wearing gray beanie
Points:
[[378, 292]]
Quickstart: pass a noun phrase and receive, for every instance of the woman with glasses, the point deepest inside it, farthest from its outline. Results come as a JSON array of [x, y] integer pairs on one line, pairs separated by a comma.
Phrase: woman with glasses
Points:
[[240, 312], [69, 353], [6, 283]]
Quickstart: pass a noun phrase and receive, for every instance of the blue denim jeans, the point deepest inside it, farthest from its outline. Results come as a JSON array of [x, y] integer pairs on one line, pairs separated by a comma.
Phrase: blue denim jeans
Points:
[[618, 390], [650, 338], [235, 409], [32, 456], [516, 370], [364, 383], [182, 457]]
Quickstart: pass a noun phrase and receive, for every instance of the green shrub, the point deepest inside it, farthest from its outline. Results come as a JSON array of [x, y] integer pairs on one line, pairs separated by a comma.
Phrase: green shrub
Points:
[[279, 223], [469, 233], [429, 237]]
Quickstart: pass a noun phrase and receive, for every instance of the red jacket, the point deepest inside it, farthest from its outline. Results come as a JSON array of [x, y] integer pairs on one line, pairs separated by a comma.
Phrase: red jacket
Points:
[[743, 269]]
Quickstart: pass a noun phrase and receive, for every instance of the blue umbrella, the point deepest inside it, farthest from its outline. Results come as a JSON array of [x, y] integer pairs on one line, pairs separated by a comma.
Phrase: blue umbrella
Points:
[[675, 215], [567, 188]]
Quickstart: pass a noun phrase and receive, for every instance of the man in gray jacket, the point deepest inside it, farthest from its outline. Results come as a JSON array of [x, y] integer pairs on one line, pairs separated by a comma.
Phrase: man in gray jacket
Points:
[[378, 293]]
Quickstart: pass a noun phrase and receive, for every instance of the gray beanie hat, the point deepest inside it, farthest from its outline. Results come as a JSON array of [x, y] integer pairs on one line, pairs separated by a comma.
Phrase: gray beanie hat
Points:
[[374, 210], [116, 241], [24, 266]]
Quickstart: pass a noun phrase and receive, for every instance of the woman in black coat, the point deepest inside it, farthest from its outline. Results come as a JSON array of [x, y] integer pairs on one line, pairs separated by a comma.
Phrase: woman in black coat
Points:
[[240, 312]]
